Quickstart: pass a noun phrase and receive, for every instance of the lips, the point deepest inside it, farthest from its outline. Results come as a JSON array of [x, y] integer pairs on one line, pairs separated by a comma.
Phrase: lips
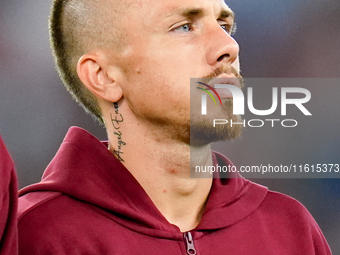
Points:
[[225, 79]]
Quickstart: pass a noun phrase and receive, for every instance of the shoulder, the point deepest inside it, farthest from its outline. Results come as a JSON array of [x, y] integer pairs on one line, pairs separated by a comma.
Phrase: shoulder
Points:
[[289, 217], [278, 202], [287, 210], [34, 201], [35, 215], [54, 223], [8, 179], [40, 218], [280, 209], [7, 171], [8, 202]]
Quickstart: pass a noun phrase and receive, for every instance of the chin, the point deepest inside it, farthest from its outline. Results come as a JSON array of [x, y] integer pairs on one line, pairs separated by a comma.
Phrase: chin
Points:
[[203, 132]]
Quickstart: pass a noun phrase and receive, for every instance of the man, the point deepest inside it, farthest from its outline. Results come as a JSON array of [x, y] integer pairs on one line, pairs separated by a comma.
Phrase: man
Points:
[[129, 63], [8, 204]]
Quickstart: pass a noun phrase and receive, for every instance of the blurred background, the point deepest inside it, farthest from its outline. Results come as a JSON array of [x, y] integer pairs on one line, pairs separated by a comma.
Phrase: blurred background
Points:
[[278, 39]]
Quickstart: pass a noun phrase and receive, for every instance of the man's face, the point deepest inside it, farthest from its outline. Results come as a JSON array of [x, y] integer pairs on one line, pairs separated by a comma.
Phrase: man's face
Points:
[[167, 43]]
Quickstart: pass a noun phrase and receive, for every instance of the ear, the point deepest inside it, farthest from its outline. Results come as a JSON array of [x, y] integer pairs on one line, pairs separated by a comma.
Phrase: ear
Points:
[[92, 71]]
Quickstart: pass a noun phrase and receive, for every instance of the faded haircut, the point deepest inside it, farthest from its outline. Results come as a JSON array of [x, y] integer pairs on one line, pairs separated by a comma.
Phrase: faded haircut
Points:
[[76, 27]]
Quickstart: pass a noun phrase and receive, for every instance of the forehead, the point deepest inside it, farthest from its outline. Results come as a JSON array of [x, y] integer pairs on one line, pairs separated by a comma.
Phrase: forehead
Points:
[[177, 6], [160, 10]]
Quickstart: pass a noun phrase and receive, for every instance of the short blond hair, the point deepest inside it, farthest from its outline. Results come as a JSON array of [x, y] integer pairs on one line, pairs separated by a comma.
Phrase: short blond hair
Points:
[[77, 26]]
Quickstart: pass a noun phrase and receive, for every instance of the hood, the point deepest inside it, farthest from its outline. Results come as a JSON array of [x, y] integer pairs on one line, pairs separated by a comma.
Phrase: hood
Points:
[[85, 169]]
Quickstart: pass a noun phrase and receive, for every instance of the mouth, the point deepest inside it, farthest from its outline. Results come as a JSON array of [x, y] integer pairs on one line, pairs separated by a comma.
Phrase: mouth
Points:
[[224, 79]]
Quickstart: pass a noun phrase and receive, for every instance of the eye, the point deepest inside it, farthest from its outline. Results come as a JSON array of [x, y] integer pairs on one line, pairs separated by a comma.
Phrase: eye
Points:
[[230, 29], [225, 27], [184, 28]]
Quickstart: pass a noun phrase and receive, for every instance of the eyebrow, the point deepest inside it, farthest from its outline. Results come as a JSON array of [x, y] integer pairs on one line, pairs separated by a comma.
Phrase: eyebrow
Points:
[[192, 12], [226, 13], [186, 12], [198, 12]]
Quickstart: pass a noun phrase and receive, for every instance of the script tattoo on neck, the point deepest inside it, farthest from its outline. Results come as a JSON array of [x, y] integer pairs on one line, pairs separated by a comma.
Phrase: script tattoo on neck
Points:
[[116, 120]]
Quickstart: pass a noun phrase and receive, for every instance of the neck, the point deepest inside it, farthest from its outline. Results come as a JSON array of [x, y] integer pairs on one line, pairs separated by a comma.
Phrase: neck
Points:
[[162, 167]]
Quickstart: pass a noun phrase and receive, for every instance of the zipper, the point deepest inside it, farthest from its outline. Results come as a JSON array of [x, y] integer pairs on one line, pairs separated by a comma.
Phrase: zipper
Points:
[[190, 243]]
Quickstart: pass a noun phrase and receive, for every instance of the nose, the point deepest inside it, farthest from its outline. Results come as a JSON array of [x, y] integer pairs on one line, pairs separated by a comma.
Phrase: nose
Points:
[[222, 48]]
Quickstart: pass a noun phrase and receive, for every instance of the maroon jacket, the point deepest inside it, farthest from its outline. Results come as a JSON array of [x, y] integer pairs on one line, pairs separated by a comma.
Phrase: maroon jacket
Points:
[[8, 204], [89, 203]]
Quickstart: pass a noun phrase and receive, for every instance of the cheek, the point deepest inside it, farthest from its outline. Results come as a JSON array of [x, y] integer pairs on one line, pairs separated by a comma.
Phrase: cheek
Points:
[[158, 98], [157, 94], [155, 77], [158, 79]]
